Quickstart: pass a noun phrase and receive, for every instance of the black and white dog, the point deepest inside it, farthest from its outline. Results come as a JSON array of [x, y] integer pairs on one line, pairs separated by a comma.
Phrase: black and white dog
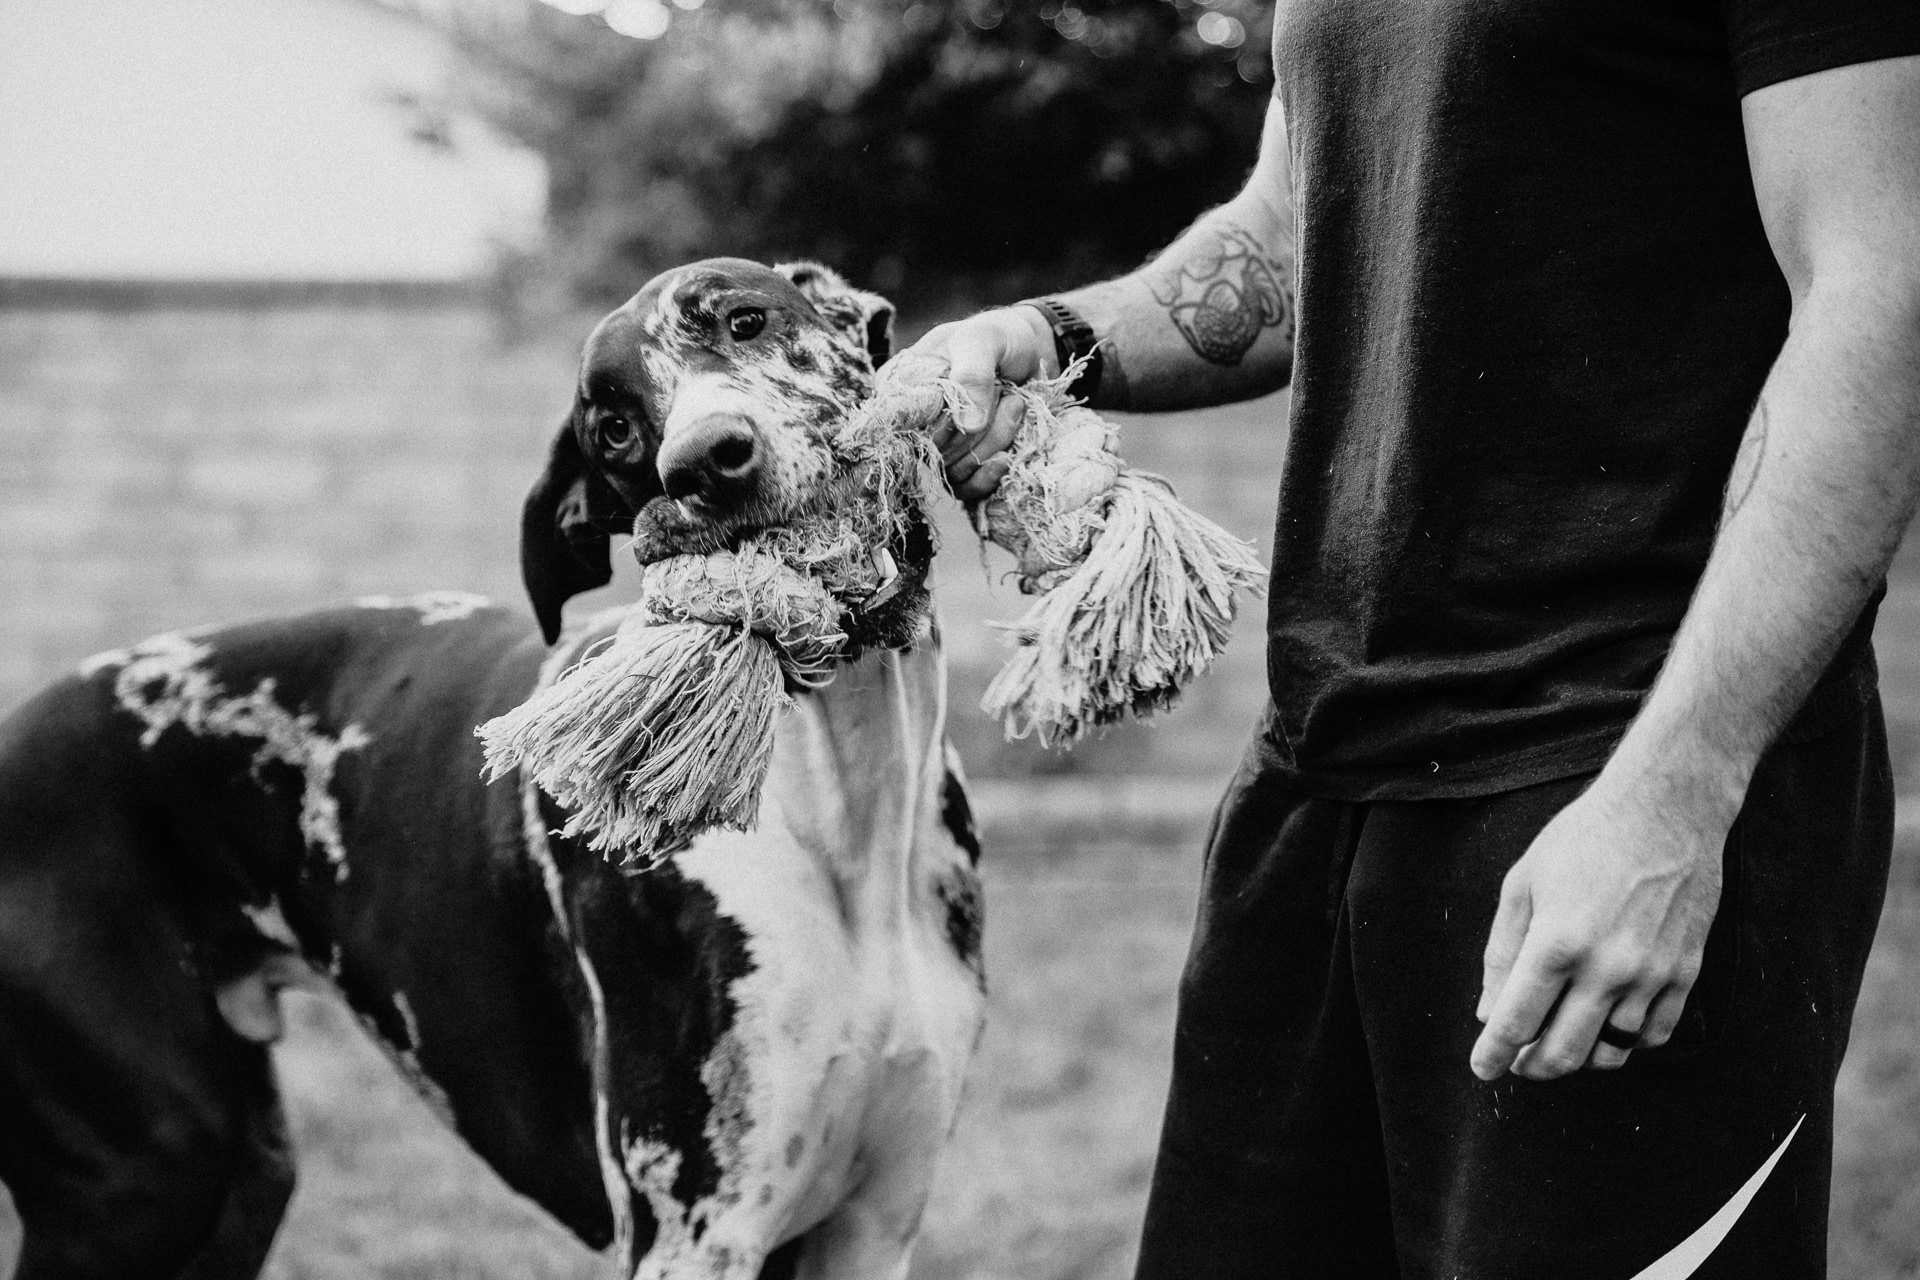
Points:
[[742, 1063]]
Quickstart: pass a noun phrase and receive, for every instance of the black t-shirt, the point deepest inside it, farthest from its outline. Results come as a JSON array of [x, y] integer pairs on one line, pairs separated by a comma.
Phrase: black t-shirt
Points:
[[1536, 306]]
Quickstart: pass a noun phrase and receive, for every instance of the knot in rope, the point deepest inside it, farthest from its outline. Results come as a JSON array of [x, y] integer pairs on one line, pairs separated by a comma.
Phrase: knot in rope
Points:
[[755, 591]]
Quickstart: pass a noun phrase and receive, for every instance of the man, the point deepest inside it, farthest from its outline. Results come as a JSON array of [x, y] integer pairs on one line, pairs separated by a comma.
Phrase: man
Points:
[[1533, 923]]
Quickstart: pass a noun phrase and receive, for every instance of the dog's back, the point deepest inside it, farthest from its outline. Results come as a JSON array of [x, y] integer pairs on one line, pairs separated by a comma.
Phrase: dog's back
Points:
[[697, 1061], [181, 816]]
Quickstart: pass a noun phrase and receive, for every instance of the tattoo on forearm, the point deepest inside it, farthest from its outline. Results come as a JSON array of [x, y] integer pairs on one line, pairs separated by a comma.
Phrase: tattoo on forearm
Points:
[[1223, 292], [1746, 463]]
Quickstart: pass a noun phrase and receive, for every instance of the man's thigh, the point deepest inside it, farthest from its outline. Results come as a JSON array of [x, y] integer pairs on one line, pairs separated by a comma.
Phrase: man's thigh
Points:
[[1270, 1161], [1601, 1174]]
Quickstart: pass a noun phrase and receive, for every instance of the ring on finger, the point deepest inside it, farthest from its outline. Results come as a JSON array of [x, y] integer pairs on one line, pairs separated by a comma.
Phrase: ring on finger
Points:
[[1614, 1037]]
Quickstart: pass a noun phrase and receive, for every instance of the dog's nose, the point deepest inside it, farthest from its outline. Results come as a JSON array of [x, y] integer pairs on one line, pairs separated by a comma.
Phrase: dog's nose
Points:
[[715, 459]]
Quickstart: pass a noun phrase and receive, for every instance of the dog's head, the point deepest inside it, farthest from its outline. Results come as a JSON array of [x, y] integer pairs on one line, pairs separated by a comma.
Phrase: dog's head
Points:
[[711, 400]]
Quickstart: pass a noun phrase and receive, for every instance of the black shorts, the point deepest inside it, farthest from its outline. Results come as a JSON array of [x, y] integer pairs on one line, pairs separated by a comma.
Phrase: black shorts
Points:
[[1323, 1122]]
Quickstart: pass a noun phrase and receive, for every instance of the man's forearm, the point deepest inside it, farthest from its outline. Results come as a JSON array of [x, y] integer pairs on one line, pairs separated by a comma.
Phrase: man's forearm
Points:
[[1208, 321], [1824, 487]]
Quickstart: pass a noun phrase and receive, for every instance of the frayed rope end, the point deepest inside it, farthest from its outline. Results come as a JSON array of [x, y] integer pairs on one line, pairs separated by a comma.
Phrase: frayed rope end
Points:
[[665, 732], [1148, 609]]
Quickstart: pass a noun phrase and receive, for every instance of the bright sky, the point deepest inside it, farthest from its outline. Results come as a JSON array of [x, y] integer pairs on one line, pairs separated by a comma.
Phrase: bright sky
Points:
[[238, 139]]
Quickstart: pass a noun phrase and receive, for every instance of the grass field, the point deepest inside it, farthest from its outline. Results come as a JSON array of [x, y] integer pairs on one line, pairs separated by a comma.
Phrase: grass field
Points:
[[1047, 1173], [1089, 900]]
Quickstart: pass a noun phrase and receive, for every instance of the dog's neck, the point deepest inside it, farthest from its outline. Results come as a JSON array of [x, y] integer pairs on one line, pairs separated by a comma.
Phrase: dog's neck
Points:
[[857, 773]]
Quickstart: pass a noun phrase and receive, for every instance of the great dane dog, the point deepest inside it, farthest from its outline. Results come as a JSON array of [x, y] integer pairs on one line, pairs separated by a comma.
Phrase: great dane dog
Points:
[[741, 1063]]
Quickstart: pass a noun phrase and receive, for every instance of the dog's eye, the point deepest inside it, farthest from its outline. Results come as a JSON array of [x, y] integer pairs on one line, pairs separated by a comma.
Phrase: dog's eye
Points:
[[746, 323], [616, 431]]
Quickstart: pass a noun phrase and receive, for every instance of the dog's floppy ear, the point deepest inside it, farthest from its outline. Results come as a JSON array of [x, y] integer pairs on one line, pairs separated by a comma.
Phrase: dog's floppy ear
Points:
[[866, 318], [563, 550]]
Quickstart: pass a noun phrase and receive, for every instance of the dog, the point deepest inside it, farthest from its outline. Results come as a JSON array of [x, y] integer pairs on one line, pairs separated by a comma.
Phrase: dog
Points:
[[742, 1063]]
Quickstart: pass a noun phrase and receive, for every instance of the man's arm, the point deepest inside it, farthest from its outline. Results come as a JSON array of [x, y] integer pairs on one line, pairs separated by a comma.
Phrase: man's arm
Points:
[[1605, 917], [1210, 320]]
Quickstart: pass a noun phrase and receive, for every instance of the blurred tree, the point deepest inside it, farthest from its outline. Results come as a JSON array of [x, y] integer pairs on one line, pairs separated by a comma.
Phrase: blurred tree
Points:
[[930, 148]]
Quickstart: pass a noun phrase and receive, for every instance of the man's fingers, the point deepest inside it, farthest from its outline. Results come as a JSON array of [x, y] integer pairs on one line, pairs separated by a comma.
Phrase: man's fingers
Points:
[[1664, 1016], [1571, 1037], [1008, 416], [976, 368], [1608, 1057], [1628, 1017], [1009, 344], [1526, 998], [958, 444], [985, 479], [1503, 942], [976, 463]]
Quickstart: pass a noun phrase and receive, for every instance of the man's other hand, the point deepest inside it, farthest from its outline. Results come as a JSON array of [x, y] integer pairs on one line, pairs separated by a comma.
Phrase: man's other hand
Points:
[[1602, 922], [1013, 344]]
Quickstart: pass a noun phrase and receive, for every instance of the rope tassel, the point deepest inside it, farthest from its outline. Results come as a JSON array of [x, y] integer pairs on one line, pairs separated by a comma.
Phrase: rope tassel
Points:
[[1136, 590]]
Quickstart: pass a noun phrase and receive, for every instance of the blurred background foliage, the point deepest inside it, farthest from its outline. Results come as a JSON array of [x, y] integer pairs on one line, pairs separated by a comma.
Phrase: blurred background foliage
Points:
[[940, 150]]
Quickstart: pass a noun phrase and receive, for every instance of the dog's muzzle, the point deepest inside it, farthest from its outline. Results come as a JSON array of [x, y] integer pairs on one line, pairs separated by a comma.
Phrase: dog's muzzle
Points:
[[714, 464]]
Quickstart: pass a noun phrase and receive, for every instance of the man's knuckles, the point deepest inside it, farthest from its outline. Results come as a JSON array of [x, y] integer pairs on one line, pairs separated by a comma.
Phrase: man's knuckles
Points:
[[1618, 967], [1561, 949]]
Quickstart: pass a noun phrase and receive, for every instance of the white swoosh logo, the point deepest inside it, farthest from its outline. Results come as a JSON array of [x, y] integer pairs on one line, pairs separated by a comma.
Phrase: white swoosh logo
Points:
[[1691, 1252]]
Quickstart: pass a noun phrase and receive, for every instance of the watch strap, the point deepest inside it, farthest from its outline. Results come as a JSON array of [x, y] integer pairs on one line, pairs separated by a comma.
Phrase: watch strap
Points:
[[1073, 340]]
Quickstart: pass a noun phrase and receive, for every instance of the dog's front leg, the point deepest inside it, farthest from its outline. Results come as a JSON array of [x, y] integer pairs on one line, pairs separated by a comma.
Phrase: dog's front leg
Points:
[[871, 1234], [863, 1240]]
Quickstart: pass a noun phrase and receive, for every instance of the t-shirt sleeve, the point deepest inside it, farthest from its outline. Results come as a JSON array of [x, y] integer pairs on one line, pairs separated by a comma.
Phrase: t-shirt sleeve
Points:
[[1775, 40]]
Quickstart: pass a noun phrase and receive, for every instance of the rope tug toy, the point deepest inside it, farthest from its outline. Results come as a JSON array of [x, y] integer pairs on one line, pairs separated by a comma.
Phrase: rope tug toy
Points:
[[666, 729]]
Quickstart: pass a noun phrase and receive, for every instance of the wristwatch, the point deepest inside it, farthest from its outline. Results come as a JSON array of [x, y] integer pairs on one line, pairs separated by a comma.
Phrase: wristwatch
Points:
[[1072, 340]]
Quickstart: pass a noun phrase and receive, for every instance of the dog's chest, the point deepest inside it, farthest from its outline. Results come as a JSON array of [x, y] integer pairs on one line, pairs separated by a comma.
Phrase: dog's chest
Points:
[[851, 1030], [794, 1037]]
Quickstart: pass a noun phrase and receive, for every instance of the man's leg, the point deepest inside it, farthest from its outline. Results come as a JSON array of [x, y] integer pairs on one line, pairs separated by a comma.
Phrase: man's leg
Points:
[[1600, 1174], [1270, 1160]]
